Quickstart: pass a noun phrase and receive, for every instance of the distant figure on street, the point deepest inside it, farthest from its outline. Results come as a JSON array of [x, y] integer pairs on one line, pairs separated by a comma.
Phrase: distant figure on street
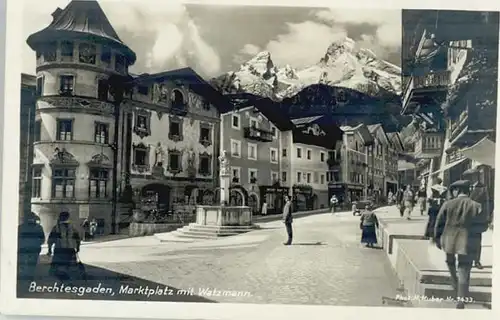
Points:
[[390, 197], [333, 203], [408, 202], [66, 242], [437, 199], [463, 221], [30, 237], [399, 201], [92, 228], [264, 208], [369, 225], [422, 200], [86, 229], [480, 194], [288, 220]]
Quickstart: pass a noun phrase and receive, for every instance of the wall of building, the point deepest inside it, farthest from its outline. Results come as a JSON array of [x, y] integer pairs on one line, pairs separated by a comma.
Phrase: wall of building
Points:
[[160, 143], [82, 107], [286, 163], [243, 161], [27, 118], [313, 171]]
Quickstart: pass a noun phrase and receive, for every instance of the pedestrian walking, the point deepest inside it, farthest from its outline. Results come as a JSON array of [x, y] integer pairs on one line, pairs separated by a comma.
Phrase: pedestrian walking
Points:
[[390, 197], [399, 202], [64, 242], [479, 194], [368, 225], [422, 200], [333, 203], [408, 202], [288, 220], [463, 219], [437, 199], [264, 208], [30, 237]]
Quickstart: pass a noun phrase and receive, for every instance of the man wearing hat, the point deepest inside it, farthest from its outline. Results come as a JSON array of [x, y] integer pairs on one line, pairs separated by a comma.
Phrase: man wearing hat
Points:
[[463, 219], [479, 193]]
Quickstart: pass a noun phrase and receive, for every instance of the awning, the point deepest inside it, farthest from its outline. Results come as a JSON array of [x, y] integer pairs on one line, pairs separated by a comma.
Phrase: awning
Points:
[[448, 166], [482, 152]]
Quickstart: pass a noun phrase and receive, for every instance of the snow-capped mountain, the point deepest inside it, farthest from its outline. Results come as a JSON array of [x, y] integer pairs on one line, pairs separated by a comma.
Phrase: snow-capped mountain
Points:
[[343, 65]]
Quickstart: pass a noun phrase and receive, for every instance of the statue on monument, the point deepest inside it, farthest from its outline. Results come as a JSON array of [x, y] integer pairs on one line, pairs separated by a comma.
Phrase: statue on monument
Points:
[[224, 163]]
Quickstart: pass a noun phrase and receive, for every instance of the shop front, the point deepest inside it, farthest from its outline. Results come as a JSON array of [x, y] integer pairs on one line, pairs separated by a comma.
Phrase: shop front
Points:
[[355, 192], [302, 197], [274, 196]]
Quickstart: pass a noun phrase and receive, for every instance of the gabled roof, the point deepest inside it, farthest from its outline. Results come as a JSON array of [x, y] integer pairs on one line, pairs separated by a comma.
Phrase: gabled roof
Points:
[[396, 141], [377, 130], [190, 78], [362, 131], [78, 20], [269, 109]]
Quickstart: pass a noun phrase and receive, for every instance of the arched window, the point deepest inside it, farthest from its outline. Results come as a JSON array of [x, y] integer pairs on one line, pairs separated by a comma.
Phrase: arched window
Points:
[[177, 99]]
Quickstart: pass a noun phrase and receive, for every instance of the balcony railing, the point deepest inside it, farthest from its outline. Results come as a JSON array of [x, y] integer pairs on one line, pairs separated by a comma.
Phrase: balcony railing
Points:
[[254, 133], [438, 80], [429, 145]]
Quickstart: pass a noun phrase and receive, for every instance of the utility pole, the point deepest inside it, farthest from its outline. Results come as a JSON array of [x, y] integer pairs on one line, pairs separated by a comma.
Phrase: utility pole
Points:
[[117, 88]]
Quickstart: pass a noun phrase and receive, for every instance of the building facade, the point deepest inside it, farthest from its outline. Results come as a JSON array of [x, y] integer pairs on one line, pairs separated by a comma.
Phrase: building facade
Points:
[[160, 136], [451, 87], [75, 115], [169, 141], [348, 164], [28, 107], [253, 144], [313, 141]]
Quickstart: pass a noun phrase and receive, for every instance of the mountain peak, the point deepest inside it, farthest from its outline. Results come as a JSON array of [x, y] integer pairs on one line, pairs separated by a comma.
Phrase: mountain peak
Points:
[[343, 65], [261, 64]]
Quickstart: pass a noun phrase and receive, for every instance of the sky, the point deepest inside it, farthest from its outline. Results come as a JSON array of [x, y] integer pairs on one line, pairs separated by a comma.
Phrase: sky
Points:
[[216, 39]]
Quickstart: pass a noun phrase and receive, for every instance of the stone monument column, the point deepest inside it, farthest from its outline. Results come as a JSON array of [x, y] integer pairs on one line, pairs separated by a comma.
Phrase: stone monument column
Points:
[[224, 178]]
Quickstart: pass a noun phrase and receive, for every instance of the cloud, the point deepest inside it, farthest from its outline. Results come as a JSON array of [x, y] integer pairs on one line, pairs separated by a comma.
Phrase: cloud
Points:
[[304, 44], [387, 24], [248, 50], [162, 34]]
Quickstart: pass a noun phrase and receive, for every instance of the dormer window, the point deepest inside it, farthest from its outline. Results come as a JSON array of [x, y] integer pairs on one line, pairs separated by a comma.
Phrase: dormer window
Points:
[[67, 83], [341, 96], [67, 51], [87, 53], [177, 99]]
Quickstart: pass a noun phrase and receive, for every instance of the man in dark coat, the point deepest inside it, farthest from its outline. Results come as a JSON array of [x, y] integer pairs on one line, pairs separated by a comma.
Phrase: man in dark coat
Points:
[[30, 239], [288, 220], [65, 239], [463, 220], [479, 194], [399, 201]]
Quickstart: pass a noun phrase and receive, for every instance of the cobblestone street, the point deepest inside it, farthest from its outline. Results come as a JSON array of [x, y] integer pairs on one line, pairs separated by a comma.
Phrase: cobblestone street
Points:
[[325, 265]]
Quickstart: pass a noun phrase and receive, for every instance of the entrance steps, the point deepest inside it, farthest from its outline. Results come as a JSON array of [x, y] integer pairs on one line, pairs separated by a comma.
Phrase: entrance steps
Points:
[[200, 232]]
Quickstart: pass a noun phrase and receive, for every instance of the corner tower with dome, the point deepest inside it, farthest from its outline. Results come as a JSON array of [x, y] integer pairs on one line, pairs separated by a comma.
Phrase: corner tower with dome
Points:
[[73, 144]]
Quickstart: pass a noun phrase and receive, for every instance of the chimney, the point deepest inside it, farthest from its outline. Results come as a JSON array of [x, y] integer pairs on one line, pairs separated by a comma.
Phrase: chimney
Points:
[[56, 14]]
